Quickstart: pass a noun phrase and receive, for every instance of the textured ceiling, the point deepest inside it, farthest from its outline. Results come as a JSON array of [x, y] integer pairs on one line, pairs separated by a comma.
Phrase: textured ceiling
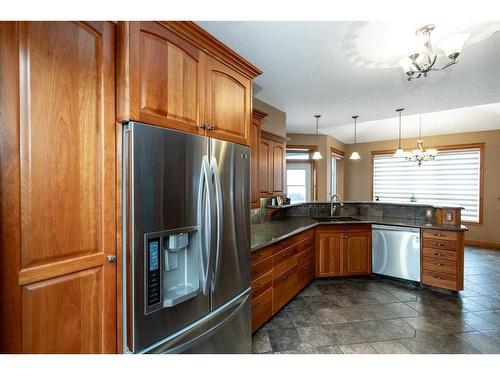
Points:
[[306, 72]]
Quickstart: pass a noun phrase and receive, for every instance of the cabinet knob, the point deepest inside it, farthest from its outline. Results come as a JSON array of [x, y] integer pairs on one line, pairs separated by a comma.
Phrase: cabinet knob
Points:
[[210, 127], [111, 258], [203, 126]]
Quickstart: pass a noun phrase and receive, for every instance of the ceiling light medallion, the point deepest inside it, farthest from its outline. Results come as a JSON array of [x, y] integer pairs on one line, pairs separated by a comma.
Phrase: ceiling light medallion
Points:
[[317, 154], [421, 63], [420, 155], [399, 152], [355, 155]]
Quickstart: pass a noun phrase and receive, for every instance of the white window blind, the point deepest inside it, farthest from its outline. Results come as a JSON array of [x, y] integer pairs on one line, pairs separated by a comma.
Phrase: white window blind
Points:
[[452, 178]]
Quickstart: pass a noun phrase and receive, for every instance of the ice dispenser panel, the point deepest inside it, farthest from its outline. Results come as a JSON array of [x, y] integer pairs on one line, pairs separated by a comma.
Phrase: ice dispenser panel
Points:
[[172, 267]]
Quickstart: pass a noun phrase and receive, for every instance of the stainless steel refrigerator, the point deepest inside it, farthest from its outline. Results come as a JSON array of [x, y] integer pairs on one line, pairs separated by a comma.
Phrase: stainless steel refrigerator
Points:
[[186, 272]]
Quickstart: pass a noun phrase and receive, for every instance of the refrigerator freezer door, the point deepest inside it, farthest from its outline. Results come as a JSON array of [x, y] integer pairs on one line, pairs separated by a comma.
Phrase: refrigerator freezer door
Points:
[[225, 330], [231, 170], [164, 195]]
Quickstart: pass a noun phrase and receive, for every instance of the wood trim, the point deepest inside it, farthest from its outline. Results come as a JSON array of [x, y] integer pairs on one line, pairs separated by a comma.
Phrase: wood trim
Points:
[[338, 152], [464, 146], [484, 244], [10, 199], [208, 43], [51, 270], [302, 147], [272, 137], [259, 115]]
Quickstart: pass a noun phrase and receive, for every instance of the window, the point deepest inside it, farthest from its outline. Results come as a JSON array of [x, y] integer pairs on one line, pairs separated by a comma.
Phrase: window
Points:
[[454, 177], [337, 172], [299, 174], [298, 182]]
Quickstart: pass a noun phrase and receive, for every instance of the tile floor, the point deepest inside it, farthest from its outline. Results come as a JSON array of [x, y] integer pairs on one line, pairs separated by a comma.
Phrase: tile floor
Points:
[[377, 315]]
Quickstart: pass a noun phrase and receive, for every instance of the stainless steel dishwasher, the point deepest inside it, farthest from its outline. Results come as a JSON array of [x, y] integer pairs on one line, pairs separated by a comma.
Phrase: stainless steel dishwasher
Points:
[[396, 251]]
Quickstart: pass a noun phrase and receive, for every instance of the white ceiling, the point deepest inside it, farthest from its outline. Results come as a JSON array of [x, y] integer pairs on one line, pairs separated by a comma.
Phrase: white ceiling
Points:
[[308, 69]]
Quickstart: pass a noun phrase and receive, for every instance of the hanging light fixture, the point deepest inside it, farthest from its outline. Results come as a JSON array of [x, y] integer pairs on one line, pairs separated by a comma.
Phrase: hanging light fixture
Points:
[[317, 154], [421, 63], [419, 154], [355, 154], [399, 152]]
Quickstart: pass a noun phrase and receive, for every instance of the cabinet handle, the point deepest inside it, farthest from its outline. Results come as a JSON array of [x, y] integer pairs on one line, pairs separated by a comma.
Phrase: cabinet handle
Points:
[[203, 126], [210, 127], [439, 254], [440, 234], [437, 277], [257, 270], [256, 256], [111, 258], [440, 244], [285, 255], [284, 277], [258, 285], [439, 264]]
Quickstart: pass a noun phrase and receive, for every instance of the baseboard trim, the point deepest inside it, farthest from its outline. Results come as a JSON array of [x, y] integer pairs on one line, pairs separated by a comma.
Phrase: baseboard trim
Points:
[[485, 244]]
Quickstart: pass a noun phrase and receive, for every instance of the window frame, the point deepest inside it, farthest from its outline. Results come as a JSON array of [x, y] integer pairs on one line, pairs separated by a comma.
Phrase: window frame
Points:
[[339, 155], [310, 149], [467, 146]]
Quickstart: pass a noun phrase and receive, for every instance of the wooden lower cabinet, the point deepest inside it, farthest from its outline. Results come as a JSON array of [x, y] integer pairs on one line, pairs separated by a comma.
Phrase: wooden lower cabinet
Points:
[[262, 309], [443, 259], [343, 250], [279, 272]]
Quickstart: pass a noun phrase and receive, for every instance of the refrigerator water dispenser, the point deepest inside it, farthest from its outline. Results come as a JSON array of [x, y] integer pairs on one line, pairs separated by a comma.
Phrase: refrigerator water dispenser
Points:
[[181, 275]]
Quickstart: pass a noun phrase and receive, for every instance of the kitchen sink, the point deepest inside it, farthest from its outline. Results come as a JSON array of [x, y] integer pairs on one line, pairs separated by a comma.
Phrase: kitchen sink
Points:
[[335, 218]]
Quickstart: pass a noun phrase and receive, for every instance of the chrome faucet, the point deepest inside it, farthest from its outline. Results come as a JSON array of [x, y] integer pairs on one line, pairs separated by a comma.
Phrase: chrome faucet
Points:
[[333, 208]]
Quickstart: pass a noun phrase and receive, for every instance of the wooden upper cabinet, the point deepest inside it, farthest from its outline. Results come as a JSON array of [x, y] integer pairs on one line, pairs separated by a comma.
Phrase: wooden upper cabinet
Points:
[[357, 253], [176, 75], [278, 168], [255, 171], [227, 103], [272, 164], [165, 78], [65, 132]]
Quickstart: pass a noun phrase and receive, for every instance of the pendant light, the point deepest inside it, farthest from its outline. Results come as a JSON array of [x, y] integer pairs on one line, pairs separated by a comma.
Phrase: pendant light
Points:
[[420, 155], [355, 154], [399, 152], [317, 154]]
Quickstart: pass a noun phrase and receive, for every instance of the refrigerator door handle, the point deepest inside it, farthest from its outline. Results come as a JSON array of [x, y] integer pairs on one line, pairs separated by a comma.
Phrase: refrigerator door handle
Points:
[[220, 221], [206, 212]]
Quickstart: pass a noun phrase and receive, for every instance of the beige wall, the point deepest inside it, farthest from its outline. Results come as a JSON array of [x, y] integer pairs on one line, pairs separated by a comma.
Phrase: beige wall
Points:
[[275, 121], [358, 175], [323, 166]]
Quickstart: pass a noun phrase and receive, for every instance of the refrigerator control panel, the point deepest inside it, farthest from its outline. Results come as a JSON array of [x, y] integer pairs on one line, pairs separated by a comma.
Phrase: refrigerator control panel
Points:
[[153, 277]]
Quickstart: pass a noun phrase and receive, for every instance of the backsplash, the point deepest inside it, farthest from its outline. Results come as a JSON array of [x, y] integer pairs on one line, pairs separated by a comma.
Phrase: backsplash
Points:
[[396, 211]]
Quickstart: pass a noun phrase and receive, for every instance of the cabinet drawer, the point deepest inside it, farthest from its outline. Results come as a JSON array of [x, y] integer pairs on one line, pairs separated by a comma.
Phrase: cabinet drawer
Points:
[[261, 284], [441, 280], [305, 274], [284, 260], [440, 244], [294, 240], [305, 255], [439, 254], [439, 265], [284, 288], [262, 267], [440, 234], [305, 244], [262, 309], [261, 254]]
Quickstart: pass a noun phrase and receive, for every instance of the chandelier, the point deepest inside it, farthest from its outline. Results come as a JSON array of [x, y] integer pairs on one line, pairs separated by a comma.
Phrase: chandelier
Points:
[[420, 155], [421, 63]]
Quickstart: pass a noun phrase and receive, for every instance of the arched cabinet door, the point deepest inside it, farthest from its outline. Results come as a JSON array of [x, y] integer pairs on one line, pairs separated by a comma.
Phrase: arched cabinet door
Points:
[[227, 103], [164, 80], [61, 181]]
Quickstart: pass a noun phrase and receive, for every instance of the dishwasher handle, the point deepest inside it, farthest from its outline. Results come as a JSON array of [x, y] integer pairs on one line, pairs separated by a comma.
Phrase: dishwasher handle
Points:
[[395, 228]]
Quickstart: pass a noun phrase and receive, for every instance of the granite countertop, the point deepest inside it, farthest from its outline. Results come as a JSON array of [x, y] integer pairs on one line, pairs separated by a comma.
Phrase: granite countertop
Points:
[[267, 233]]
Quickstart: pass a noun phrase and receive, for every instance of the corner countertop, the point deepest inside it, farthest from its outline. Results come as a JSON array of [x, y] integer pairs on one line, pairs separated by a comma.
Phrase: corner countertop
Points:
[[267, 233]]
